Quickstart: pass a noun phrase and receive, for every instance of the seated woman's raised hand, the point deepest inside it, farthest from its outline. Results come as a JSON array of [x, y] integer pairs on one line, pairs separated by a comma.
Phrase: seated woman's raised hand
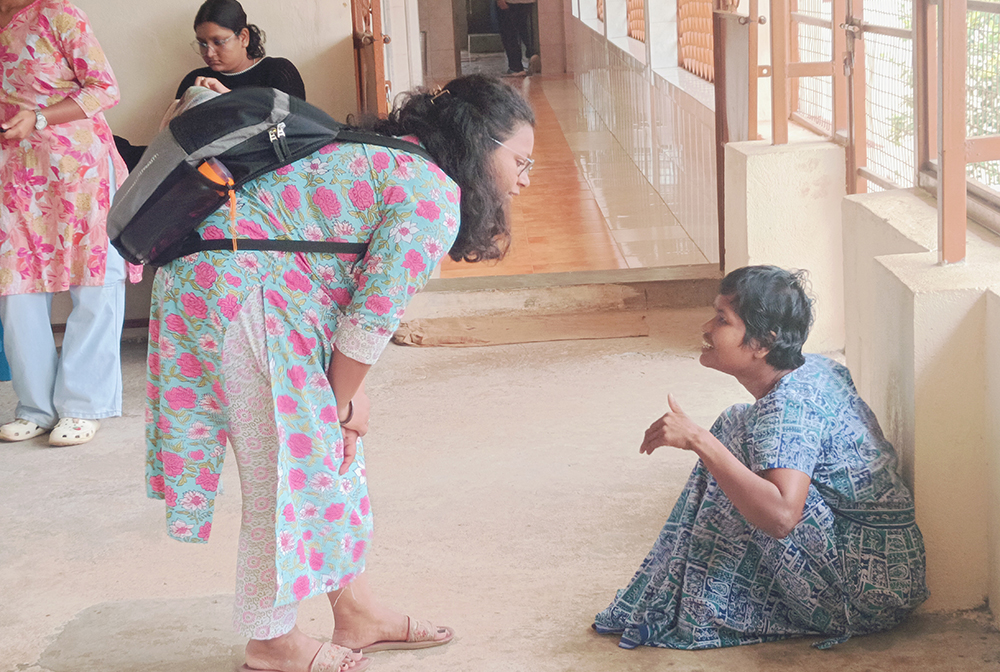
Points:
[[675, 429]]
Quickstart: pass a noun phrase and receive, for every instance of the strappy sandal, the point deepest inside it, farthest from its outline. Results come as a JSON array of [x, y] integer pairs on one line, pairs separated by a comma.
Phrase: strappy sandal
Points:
[[329, 658], [419, 635], [73, 431]]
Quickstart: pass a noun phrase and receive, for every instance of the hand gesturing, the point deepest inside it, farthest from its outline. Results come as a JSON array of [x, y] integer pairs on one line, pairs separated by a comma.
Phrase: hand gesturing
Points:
[[673, 429]]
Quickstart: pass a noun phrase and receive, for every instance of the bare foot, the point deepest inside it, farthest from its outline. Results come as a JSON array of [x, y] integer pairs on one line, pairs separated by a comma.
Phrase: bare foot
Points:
[[292, 652]]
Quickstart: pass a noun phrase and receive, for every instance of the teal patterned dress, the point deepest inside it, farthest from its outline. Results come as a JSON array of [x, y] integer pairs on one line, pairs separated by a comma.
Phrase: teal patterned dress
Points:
[[408, 211], [853, 565]]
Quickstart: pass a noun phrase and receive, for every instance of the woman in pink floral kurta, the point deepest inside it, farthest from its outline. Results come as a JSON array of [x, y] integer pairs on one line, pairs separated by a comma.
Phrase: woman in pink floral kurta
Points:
[[268, 351], [59, 170]]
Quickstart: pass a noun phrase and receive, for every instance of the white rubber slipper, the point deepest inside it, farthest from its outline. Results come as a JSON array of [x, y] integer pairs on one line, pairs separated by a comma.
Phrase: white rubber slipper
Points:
[[20, 430], [73, 432]]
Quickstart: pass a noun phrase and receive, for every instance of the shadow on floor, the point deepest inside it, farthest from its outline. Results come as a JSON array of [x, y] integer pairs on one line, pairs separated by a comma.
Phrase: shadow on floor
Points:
[[193, 635]]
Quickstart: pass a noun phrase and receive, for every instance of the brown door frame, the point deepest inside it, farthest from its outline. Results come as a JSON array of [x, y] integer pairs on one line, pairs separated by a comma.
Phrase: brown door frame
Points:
[[369, 57]]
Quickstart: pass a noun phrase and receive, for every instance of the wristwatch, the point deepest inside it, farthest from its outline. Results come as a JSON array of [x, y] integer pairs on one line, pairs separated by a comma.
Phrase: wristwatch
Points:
[[40, 120]]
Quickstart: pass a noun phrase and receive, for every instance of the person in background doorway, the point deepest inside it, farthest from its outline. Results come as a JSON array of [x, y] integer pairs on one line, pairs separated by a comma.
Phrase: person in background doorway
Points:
[[795, 521], [515, 31], [59, 169]]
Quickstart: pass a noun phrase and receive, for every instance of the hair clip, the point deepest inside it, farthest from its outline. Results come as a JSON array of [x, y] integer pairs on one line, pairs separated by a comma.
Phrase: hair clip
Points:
[[438, 93]]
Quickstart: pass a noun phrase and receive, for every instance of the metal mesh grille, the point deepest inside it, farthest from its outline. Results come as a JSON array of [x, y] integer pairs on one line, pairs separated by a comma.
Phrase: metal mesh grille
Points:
[[889, 78], [889, 13], [815, 101], [983, 92], [814, 43]]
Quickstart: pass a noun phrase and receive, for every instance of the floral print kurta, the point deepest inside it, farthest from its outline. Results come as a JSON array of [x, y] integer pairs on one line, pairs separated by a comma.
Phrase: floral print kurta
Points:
[[853, 565], [56, 182], [407, 210]]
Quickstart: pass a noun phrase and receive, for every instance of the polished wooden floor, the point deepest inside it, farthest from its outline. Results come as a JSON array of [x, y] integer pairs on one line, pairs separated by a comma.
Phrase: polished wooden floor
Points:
[[556, 222]]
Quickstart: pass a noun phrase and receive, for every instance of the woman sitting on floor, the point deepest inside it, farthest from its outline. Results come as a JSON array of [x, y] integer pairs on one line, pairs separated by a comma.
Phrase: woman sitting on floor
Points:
[[795, 520]]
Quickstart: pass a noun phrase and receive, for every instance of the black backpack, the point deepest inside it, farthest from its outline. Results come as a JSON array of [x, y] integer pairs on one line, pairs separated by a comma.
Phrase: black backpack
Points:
[[251, 131]]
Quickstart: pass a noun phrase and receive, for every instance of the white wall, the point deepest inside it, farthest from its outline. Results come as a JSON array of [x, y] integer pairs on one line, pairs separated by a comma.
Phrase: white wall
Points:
[[437, 22], [993, 447], [403, 62]]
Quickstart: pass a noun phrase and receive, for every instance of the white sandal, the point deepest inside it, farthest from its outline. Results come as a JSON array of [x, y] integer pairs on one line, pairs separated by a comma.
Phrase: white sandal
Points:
[[20, 430], [73, 431]]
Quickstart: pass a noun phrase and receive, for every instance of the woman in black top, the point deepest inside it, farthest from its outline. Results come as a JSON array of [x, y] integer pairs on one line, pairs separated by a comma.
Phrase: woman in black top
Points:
[[234, 53]]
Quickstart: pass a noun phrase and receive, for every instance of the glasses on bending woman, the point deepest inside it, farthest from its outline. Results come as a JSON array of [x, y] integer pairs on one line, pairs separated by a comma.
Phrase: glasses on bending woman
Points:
[[523, 162]]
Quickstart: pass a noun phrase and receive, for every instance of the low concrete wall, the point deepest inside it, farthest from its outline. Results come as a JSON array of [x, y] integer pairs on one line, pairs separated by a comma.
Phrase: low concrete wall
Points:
[[783, 208], [920, 344], [993, 452]]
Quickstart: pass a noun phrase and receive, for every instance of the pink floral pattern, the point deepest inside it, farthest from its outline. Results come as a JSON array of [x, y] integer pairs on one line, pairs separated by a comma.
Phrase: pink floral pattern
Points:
[[307, 305], [56, 192]]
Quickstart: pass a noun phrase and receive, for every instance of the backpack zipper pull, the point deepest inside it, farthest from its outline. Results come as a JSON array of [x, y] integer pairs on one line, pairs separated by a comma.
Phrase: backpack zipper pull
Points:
[[277, 137]]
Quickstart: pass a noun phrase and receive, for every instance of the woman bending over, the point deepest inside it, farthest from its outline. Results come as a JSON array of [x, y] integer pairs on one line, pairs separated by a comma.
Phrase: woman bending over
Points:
[[268, 351]]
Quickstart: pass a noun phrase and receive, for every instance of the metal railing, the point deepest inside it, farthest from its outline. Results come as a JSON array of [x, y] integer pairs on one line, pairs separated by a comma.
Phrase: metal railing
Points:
[[868, 74]]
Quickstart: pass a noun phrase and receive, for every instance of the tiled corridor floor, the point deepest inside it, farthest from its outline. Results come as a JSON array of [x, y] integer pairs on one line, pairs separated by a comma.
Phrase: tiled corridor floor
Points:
[[588, 208]]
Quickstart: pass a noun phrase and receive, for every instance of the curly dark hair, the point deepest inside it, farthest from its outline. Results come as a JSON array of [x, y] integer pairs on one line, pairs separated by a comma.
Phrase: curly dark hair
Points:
[[458, 125], [776, 309], [229, 14]]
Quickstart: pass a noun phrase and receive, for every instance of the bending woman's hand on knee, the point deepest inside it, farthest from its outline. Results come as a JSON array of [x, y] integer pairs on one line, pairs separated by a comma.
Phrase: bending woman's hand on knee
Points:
[[350, 448], [360, 410]]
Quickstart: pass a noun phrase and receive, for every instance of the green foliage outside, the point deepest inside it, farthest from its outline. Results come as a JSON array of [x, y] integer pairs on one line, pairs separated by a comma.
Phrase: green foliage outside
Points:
[[983, 88]]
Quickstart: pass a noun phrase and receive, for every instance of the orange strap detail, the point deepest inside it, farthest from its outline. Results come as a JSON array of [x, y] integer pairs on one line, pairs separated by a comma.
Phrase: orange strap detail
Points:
[[232, 213]]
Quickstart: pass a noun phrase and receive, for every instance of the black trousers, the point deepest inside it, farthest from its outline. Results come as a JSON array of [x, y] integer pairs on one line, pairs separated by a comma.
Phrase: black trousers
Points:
[[515, 29]]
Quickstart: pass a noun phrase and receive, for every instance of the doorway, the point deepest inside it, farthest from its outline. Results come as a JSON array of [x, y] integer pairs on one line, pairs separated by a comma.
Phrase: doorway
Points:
[[482, 50]]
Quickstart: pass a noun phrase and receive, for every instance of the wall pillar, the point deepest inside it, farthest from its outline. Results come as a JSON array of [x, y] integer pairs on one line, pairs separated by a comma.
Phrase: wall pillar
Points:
[[783, 208], [921, 350]]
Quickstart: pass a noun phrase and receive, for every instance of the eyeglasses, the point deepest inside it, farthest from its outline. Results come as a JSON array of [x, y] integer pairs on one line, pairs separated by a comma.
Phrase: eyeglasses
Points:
[[524, 163], [200, 47]]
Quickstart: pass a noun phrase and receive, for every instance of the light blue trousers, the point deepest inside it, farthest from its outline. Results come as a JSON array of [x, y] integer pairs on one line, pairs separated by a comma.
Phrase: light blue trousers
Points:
[[85, 381], [4, 368]]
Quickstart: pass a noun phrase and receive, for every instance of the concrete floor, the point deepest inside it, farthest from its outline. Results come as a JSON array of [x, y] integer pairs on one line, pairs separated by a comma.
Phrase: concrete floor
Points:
[[510, 503]]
